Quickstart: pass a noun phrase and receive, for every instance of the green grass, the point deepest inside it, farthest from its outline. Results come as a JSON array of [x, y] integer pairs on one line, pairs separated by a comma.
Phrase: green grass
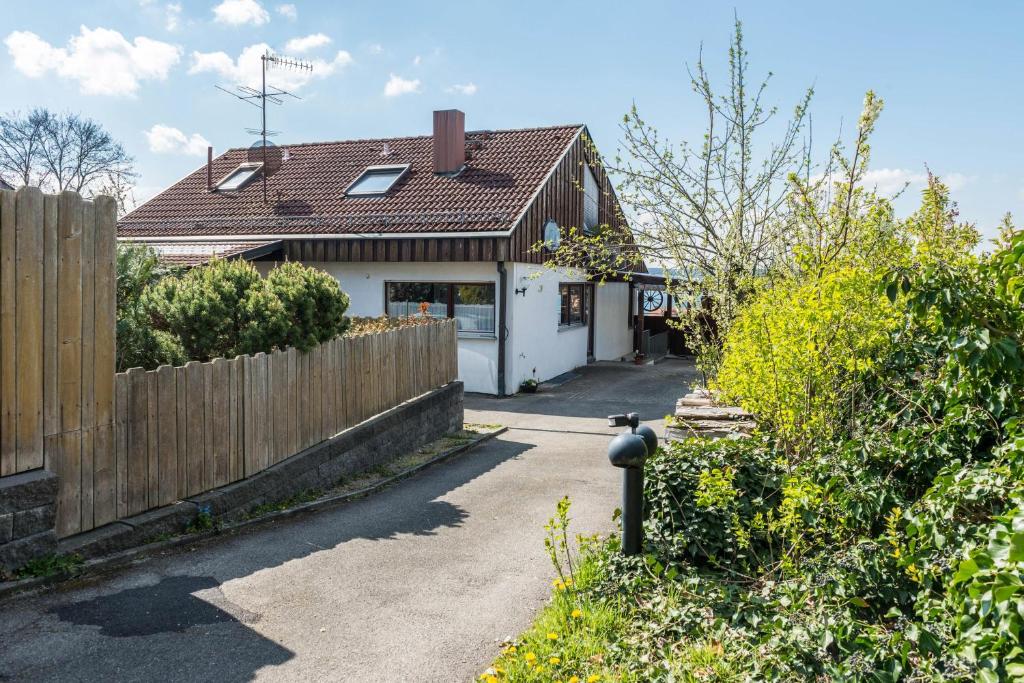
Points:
[[307, 496], [570, 637], [603, 636], [50, 566]]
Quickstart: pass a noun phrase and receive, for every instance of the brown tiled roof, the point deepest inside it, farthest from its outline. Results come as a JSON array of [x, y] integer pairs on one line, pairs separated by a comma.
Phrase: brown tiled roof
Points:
[[307, 194], [194, 253]]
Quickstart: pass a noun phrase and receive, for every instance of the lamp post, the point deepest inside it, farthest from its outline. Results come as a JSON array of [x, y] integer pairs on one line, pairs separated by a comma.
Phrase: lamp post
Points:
[[629, 451]]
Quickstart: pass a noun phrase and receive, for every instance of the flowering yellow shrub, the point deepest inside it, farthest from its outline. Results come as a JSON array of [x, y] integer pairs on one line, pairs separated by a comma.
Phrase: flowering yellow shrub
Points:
[[794, 349]]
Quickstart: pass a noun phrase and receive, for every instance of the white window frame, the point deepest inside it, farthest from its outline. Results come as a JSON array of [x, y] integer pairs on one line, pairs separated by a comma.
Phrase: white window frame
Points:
[[253, 167], [402, 169]]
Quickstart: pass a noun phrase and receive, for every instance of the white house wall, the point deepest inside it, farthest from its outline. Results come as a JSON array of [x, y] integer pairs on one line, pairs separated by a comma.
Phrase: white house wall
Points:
[[364, 284], [538, 347], [614, 336]]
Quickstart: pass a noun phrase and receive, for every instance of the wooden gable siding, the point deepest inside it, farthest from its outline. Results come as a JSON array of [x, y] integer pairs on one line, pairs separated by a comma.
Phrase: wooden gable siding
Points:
[[408, 249], [561, 199]]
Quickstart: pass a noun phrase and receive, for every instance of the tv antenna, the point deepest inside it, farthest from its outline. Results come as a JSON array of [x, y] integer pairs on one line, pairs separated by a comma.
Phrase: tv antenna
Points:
[[272, 94]]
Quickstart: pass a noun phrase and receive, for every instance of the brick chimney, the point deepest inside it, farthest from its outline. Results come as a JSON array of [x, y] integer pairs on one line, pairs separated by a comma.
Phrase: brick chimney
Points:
[[449, 140]]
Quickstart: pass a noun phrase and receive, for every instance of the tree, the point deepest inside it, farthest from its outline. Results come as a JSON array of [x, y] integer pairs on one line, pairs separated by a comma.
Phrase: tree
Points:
[[138, 343], [708, 211], [63, 152]]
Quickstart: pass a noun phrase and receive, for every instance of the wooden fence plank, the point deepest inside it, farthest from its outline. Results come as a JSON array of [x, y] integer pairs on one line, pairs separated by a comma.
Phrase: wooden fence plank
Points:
[[181, 420], [29, 324], [301, 397], [68, 461], [167, 433], [218, 416], [88, 386], [105, 315], [248, 417], [153, 443], [138, 441], [296, 390], [195, 429], [234, 421], [280, 410], [330, 415], [209, 466], [51, 246], [8, 312], [316, 404], [121, 441]]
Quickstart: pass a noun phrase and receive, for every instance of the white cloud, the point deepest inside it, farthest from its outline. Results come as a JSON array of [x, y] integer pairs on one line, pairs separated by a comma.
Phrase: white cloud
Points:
[[288, 11], [462, 89], [890, 180], [307, 43], [375, 48], [397, 85], [167, 140], [247, 69], [101, 60], [172, 16], [239, 12]]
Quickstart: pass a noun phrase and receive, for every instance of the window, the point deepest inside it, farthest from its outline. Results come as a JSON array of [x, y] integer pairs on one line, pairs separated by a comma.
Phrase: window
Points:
[[376, 180], [591, 197], [471, 304], [575, 306], [552, 235], [239, 177]]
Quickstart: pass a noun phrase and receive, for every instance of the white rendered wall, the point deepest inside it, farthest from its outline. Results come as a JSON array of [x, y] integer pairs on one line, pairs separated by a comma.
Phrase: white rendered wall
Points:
[[364, 284], [537, 342], [614, 337]]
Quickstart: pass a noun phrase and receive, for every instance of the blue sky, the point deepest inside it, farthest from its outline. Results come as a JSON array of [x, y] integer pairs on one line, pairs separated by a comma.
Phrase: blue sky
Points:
[[949, 73]]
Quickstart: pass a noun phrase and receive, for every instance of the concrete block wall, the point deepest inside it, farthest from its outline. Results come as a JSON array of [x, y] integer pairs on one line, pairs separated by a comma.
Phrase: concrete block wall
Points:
[[28, 510]]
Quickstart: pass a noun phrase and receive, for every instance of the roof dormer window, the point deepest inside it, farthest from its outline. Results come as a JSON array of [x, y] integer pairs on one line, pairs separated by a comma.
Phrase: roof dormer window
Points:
[[237, 179], [376, 180]]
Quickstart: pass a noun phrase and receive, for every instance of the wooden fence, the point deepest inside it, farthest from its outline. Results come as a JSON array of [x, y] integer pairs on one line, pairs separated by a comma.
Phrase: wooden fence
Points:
[[57, 329], [125, 443], [180, 431]]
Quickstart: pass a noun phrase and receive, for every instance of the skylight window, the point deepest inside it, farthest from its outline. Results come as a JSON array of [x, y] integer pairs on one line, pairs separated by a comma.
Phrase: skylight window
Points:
[[238, 178], [376, 180]]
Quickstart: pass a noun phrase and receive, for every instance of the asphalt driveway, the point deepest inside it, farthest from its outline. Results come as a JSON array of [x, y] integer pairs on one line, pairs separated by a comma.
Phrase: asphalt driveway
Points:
[[417, 583]]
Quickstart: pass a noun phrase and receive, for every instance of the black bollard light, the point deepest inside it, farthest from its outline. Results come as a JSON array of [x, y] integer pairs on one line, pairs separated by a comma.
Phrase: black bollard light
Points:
[[629, 450]]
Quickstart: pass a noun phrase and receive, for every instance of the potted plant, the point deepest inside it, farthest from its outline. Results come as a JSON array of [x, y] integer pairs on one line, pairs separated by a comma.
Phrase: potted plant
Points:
[[529, 386]]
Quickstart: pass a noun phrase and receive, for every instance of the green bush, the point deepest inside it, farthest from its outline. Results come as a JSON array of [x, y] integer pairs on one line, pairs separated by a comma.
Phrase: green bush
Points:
[[139, 344], [893, 551], [793, 353], [313, 303], [219, 310], [225, 308]]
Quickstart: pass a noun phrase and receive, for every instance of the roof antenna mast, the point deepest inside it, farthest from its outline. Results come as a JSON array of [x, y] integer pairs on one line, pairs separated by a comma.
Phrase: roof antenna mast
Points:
[[272, 94]]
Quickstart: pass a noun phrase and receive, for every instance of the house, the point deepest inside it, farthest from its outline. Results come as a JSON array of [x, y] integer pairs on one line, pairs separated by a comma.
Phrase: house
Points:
[[4, 185], [441, 225]]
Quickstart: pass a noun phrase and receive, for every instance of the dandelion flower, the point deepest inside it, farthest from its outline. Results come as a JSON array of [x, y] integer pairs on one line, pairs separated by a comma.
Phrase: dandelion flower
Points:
[[574, 679], [552, 636], [577, 613], [593, 678], [530, 657], [555, 660]]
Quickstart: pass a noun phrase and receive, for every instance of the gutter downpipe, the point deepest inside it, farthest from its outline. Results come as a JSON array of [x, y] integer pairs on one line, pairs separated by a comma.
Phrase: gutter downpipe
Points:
[[502, 318]]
